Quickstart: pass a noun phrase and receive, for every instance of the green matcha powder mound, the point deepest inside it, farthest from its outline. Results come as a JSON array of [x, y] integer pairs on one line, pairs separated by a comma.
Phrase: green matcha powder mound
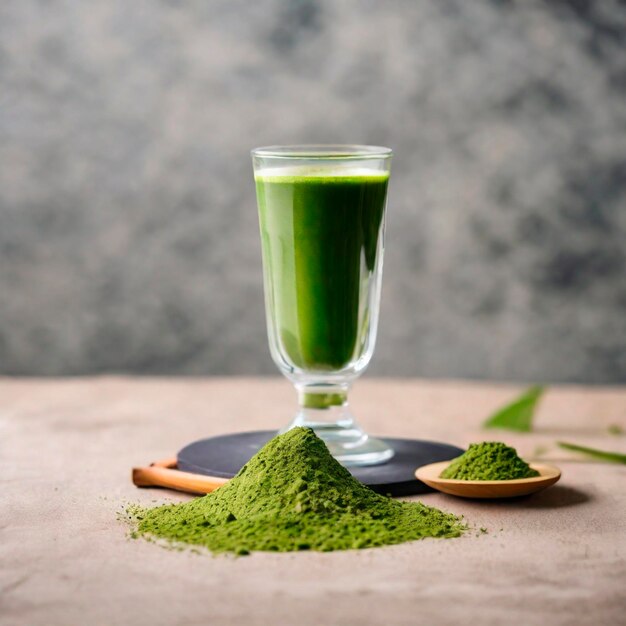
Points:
[[293, 495], [490, 460]]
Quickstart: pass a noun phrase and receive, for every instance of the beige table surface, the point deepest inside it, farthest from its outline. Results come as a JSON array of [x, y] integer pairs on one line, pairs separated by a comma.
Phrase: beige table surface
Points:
[[66, 451]]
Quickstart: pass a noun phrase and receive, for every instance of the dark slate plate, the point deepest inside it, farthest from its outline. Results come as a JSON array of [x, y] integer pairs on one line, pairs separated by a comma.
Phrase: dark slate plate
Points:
[[225, 455]]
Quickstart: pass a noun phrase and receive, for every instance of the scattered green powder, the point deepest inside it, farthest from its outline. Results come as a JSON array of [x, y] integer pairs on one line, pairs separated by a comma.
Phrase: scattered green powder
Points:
[[293, 495], [490, 460]]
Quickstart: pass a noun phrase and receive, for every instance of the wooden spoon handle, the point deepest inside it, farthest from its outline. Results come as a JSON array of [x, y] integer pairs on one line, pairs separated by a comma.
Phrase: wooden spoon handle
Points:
[[164, 474]]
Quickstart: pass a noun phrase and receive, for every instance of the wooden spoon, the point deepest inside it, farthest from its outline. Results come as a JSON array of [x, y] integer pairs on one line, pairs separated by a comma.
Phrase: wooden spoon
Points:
[[429, 474], [164, 474]]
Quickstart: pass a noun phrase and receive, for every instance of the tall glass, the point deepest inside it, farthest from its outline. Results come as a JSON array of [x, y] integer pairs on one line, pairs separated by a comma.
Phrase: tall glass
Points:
[[322, 219]]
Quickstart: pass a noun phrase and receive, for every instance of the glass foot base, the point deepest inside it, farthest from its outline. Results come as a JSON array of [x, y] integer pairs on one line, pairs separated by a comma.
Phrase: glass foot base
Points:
[[349, 444]]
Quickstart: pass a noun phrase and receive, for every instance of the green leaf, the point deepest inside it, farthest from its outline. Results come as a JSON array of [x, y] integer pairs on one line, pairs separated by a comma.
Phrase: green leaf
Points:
[[519, 414], [615, 429], [602, 455]]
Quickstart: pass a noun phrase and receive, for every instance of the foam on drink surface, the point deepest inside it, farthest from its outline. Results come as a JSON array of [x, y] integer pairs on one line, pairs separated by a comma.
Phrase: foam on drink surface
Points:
[[284, 174]]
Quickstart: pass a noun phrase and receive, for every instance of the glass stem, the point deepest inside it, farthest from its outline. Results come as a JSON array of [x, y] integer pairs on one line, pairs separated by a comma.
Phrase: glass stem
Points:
[[324, 408], [324, 404]]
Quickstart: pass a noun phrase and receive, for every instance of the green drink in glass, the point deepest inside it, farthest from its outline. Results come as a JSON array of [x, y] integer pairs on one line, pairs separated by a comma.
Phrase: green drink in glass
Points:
[[322, 214]]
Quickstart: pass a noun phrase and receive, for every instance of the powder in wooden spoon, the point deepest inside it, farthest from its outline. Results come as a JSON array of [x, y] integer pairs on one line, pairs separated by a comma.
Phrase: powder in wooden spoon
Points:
[[489, 460]]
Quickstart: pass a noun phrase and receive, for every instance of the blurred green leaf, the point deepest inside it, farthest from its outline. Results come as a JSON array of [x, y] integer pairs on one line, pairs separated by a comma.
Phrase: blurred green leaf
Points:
[[615, 429], [519, 414], [602, 455]]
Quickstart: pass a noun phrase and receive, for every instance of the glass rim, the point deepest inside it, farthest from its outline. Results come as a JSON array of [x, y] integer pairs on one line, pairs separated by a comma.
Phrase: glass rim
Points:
[[322, 152]]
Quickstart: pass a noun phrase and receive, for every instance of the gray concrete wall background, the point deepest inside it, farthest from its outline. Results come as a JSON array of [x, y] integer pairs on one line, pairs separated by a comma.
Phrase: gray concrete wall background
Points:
[[128, 228]]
